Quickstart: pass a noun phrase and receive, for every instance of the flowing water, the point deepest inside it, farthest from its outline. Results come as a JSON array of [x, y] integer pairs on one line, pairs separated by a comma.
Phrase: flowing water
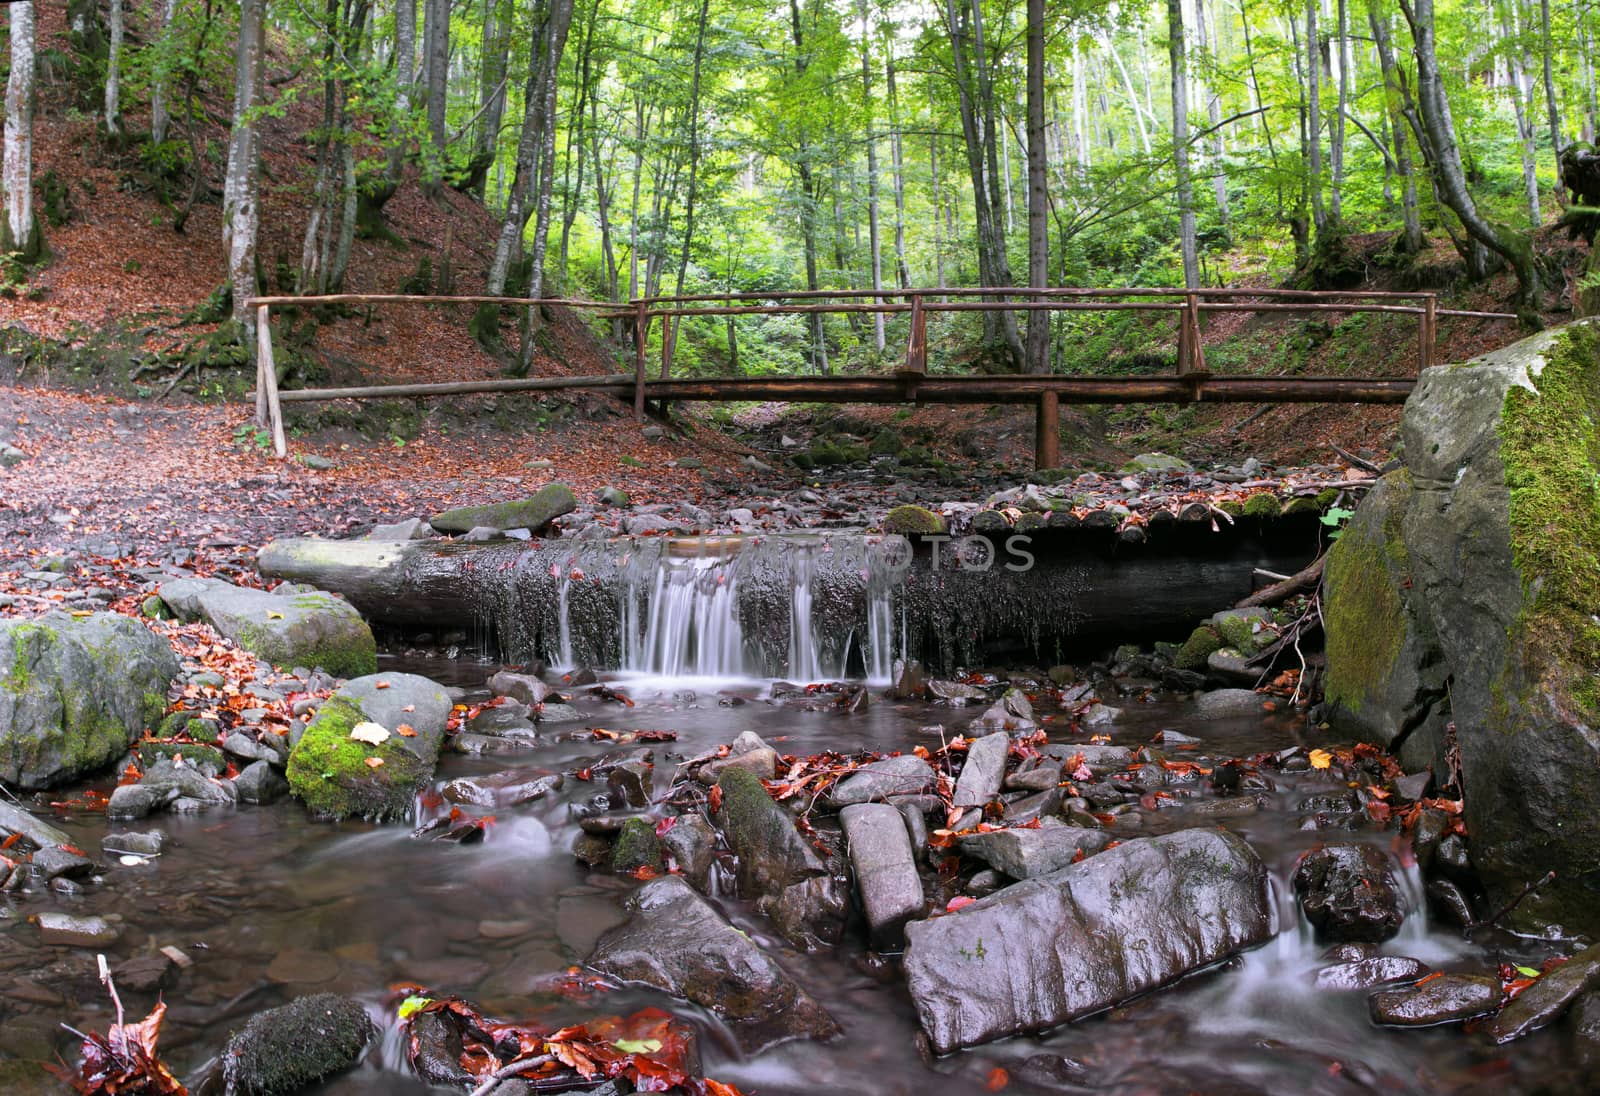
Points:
[[270, 905]]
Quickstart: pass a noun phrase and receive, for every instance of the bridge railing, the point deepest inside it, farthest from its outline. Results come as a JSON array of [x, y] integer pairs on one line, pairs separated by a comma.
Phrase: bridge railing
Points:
[[1191, 380]]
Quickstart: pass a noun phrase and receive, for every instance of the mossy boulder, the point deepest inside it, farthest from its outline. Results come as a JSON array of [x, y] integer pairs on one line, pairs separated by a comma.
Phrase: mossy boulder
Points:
[[912, 521], [287, 1049], [198, 754], [637, 847], [1262, 504], [552, 501], [75, 693], [1478, 567], [335, 775], [1198, 647], [1156, 462], [312, 629]]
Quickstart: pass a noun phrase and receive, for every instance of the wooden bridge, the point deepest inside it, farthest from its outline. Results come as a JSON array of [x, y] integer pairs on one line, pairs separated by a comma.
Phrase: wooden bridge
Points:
[[1191, 382]]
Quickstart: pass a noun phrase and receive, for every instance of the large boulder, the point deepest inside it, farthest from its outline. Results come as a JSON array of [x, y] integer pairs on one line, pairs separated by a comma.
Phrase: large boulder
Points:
[[334, 773], [1477, 565], [677, 943], [1349, 893], [1064, 945], [548, 503], [778, 868], [311, 628], [75, 693]]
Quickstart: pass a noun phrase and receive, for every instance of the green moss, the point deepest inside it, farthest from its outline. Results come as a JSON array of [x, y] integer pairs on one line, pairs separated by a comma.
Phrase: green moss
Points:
[[1262, 505], [286, 1049], [152, 750], [328, 769], [1198, 647], [913, 521], [1238, 633], [1302, 504], [1327, 497], [1231, 507], [1364, 615], [637, 847], [1550, 446]]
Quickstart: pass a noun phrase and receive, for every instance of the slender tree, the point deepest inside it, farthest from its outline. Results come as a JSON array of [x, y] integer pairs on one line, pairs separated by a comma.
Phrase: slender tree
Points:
[[241, 211], [1180, 144], [1038, 349], [19, 230], [114, 69]]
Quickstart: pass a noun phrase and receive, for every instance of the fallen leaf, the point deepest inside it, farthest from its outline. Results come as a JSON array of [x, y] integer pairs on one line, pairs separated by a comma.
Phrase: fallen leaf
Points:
[[374, 762], [1321, 759], [370, 733], [380, 685], [998, 1079], [406, 730]]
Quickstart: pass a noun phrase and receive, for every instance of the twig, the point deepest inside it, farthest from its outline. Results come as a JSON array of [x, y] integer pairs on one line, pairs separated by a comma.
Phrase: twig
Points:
[[111, 987], [1258, 413], [184, 372], [1359, 462], [1527, 889], [1287, 588], [1262, 572], [511, 1069]]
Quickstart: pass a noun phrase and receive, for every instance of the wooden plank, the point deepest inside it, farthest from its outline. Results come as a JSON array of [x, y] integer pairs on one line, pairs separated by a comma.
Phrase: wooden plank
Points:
[[1047, 432], [269, 380], [458, 388]]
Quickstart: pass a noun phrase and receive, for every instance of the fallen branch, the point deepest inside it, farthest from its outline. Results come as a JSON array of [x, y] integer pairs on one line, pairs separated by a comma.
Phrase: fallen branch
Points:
[[511, 1069], [1529, 888], [1359, 462], [1280, 592]]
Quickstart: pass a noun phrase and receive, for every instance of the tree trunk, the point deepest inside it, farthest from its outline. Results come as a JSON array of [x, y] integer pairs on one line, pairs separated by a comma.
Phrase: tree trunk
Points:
[[902, 271], [1435, 128], [1412, 238], [1180, 143], [159, 116], [938, 209], [809, 194], [694, 160], [498, 17], [436, 77], [1522, 104], [114, 70], [1550, 99], [1580, 14], [1038, 349], [1336, 136], [19, 231], [405, 78], [876, 244], [1219, 177], [1319, 216], [241, 212]]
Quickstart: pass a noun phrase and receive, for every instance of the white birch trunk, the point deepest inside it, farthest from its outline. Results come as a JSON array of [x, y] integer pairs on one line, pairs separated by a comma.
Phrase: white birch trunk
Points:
[[16, 175]]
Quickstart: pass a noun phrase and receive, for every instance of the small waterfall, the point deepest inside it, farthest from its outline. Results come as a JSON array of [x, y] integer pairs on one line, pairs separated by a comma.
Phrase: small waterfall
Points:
[[804, 662], [694, 627], [563, 656], [880, 635]]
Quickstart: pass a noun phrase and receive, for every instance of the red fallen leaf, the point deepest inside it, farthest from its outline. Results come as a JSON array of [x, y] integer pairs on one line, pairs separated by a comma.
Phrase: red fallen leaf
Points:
[[1077, 856], [665, 824], [584, 775], [1424, 981], [959, 902], [714, 798], [380, 685], [998, 1079], [9, 841], [1379, 811], [124, 1062], [644, 873]]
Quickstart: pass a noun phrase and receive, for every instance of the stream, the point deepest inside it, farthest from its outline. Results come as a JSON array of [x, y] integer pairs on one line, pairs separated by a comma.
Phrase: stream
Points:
[[270, 905]]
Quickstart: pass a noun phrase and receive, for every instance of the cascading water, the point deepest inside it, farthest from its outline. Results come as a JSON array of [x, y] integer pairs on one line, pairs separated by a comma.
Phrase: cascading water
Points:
[[803, 661], [693, 627]]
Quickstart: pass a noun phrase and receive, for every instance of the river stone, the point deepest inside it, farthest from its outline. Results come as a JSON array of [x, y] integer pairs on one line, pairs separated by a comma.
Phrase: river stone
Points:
[[1349, 892], [15, 820], [314, 628], [1156, 462], [397, 532], [677, 943], [75, 693], [550, 502], [1026, 853], [1050, 949], [903, 775], [985, 767], [524, 687], [1102, 760], [885, 871], [1479, 566], [772, 854], [692, 843], [1220, 703], [328, 769], [1446, 998], [137, 800], [259, 782], [75, 932], [286, 1049], [1369, 971], [1542, 1003], [636, 847]]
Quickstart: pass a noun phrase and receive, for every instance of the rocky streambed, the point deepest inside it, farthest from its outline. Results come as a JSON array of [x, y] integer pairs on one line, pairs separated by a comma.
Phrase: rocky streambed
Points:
[[1095, 883]]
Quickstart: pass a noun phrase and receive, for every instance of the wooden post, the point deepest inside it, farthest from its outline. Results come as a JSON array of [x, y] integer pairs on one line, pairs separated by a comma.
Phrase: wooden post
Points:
[[1197, 349], [1047, 431], [1430, 331], [268, 380], [641, 332], [1185, 342], [917, 346], [261, 387]]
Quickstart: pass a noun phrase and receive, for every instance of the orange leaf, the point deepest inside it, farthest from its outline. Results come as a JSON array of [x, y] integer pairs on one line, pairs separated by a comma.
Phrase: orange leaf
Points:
[[406, 730], [380, 685], [374, 762], [998, 1079]]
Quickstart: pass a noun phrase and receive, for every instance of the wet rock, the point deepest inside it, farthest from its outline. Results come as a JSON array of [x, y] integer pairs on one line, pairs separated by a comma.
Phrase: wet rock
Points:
[[178, 780], [332, 772], [631, 782], [1035, 776], [75, 693], [524, 687], [1448, 997], [71, 931], [503, 789], [132, 801], [259, 782], [15, 820], [903, 775], [985, 767], [59, 862], [549, 503], [1026, 853], [677, 943], [145, 974], [1234, 807], [692, 843], [134, 844], [763, 762], [1349, 893], [549, 712], [1368, 972], [592, 850], [1050, 949], [885, 872], [636, 847], [436, 1053], [956, 690], [1230, 665], [1221, 703], [286, 1049], [1032, 808], [312, 629], [1584, 1022], [1542, 1003], [777, 866], [1449, 903], [397, 532], [1101, 760]]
